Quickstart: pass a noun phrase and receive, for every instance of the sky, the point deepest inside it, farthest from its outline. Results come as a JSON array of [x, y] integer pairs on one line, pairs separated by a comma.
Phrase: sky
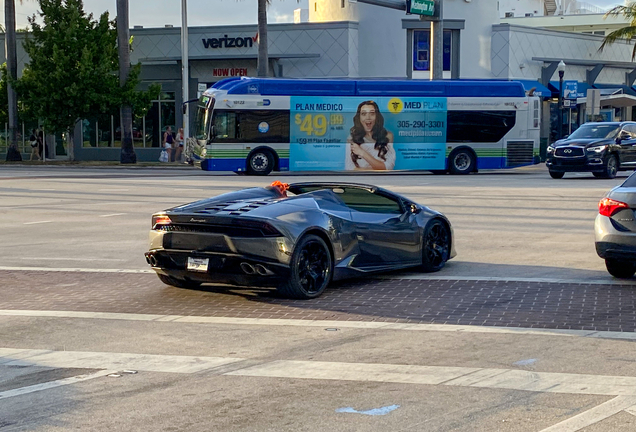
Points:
[[158, 13]]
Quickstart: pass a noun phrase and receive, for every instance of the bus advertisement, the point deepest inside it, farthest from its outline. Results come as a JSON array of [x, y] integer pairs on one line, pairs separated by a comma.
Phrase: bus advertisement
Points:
[[259, 125]]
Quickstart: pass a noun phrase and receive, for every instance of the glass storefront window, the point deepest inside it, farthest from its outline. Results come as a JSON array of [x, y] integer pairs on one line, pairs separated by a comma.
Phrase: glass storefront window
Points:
[[147, 131], [422, 49]]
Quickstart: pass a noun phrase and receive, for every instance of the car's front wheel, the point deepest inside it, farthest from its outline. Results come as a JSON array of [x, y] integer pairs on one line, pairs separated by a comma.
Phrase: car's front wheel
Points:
[[436, 246], [310, 269], [179, 283], [620, 269], [611, 167], [556, 174]]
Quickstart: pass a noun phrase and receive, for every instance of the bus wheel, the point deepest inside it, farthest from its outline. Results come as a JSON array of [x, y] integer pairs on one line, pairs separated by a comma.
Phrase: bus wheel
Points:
[[260, 162], [461, 162]]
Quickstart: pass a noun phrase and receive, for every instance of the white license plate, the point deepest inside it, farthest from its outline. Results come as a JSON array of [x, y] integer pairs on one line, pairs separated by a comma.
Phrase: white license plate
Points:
[[198, 264]]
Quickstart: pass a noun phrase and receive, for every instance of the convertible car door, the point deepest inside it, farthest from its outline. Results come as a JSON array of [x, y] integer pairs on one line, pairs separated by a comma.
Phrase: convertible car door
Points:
[[387, 234]]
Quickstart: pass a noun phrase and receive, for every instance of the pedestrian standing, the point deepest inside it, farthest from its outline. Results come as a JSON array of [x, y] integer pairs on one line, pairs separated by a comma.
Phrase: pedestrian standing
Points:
[[179, 144], [168, 143], [33, 140]]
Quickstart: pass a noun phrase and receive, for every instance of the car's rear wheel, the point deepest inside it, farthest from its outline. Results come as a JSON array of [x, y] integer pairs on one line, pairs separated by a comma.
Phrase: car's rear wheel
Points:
[[436, 246], [556, 174], [179, 283], [611, 167], [260, 162], [310, 269], [620, 269], [461, 161]]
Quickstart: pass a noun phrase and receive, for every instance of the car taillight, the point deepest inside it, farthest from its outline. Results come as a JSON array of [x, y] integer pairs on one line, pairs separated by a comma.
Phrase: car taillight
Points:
[[608, 207], [158, 220]]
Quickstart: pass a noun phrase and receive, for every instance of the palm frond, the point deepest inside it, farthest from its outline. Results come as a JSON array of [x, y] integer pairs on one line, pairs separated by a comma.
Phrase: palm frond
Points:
[[625, 33]]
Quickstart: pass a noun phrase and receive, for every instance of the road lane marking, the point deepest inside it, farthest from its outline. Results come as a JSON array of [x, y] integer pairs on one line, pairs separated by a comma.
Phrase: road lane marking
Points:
[[111, 215], [109, 360], [609, 281], [377, 277], [74, 270], [373, 325], [70, 259], [112, 190], [502, 379], [52, 384], [38, 222], [594, 415]]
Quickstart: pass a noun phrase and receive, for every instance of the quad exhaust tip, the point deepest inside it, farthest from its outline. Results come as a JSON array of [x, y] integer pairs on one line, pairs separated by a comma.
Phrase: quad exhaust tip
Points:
[[248, 268], [262, 270], [152, 260], [259, 269]]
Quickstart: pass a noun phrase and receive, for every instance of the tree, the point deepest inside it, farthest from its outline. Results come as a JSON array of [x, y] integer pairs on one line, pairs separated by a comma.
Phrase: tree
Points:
[[72, 73], [625, 33], [13, 153], [263, 59]]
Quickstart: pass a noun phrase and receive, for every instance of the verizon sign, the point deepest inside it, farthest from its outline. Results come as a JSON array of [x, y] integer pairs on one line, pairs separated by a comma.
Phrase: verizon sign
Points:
[[230, 42]]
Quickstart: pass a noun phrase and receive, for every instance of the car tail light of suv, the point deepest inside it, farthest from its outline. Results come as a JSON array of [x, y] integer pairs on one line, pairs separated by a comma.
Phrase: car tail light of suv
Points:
[[608, 207]]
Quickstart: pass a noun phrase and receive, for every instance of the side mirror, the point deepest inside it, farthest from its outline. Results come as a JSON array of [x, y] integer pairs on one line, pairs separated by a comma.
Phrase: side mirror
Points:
[[414, 209], [565, 136], [624, 135]]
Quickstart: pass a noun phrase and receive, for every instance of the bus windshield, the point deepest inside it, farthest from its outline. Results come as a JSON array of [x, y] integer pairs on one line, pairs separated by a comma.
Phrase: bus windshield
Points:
[[203, 117]]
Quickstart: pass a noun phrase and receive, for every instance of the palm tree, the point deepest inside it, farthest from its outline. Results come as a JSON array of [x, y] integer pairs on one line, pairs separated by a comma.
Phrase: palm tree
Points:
[[626, 33], [13, 152], [128, 155], [263, 60]]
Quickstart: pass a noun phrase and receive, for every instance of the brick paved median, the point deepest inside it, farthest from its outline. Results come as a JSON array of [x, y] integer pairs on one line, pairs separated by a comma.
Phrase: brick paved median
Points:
[[489, 303]]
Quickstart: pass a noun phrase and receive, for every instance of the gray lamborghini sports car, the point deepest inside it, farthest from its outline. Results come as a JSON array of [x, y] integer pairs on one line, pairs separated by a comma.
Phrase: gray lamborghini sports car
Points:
[[296, 237]]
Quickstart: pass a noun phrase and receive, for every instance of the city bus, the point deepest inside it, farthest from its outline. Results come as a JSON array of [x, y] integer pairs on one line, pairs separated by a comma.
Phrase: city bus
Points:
[[259, 125]]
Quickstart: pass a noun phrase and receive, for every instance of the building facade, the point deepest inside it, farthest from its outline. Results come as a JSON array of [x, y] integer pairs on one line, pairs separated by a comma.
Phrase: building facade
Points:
[[344, 38]]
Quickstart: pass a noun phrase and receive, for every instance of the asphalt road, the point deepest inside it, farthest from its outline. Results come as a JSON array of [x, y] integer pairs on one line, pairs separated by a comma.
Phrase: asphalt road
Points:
[[524, 330]]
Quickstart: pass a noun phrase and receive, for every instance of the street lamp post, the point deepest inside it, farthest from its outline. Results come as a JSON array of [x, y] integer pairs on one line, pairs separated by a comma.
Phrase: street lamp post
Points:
[[561, 69]]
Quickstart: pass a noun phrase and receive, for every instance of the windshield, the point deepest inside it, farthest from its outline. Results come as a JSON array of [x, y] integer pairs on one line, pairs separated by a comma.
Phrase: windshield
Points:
[[202, 118], [595, 131]]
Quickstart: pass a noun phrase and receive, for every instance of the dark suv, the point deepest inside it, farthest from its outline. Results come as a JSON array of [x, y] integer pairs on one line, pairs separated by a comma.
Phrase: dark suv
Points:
[[599, 148]]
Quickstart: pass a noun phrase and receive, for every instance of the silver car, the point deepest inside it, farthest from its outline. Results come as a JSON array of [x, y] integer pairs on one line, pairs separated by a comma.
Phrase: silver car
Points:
[[615, 229]]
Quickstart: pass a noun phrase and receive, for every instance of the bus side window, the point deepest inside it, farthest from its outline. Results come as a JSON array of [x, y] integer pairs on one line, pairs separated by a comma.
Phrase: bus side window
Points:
[[263, 126], [479, 126], [225, 126]]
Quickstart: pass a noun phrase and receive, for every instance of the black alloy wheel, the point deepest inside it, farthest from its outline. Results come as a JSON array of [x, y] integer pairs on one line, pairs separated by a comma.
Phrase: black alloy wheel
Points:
[[556, 174], [435, 246], [310, 269], [611, 167], [461, 162], [620, 269], [260, 162], [179, 283]]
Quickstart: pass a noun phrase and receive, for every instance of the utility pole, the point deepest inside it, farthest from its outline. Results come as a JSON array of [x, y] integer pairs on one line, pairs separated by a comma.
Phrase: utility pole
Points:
[[184, 71], [437, 42]]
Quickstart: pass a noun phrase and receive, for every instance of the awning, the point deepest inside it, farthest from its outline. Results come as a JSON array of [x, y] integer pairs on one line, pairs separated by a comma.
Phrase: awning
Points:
[[610, 89], [540, 89], [581, 88], [619, 100]]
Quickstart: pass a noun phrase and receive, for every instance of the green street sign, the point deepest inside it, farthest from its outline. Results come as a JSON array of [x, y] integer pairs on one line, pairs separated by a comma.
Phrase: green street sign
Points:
[[422, 7]]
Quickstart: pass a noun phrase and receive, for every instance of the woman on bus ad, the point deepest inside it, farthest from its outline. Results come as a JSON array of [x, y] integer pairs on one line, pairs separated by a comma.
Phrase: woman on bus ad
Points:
[[370, 145]]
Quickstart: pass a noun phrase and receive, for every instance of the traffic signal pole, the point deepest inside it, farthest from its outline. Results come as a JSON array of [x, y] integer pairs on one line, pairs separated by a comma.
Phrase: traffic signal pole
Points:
[[437, 42], [437, 27]]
